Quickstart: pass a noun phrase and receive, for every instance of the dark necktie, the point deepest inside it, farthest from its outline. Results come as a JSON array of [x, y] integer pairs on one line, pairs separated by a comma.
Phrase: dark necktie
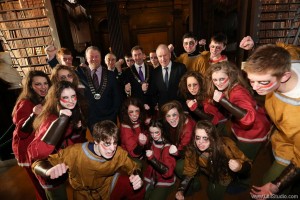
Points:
[[166, 77], [141, 75], [95, 79]]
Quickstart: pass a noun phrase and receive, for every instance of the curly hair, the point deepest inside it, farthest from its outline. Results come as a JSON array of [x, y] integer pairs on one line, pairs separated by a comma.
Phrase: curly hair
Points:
[[200, 96]]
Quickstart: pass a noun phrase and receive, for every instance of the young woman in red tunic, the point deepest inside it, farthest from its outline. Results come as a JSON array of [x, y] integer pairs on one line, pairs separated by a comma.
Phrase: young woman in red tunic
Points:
[[159, 174], [227, 88], [179, 129], [60, 120], [28, 106], [132, 129]]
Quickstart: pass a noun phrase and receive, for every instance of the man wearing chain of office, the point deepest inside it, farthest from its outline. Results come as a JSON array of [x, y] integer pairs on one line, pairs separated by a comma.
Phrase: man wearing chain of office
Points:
[[101, 89]]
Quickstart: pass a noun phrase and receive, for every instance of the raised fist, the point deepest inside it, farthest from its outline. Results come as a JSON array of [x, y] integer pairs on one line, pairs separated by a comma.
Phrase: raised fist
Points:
[[173, 150], [149, 153]]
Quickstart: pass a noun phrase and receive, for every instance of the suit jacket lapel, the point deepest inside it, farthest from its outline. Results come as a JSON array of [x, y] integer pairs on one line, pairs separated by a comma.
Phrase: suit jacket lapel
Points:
[[172, 75], [135, 72]]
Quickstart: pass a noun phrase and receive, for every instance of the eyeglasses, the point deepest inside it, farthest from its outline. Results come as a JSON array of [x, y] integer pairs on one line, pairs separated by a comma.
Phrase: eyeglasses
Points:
[[190, 43], [129, 60]]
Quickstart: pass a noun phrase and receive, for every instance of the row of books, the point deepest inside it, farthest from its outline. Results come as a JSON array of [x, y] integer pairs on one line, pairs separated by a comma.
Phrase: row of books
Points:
[[280, 7], [278, 25], [40, 60], [279, 1], [30, 32], [276, 33], [31, 42], [21, 4], [27, 52], [44, 68], [24, 24], [274, 40], [277, 15], [22, 14]]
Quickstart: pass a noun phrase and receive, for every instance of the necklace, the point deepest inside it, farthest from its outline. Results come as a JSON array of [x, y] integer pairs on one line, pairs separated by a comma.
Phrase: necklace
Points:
[[99, 92], [137, 78]]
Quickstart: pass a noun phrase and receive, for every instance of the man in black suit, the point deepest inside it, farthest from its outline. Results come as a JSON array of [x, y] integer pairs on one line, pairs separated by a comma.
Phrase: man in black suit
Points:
[[166, 77], [138, 77], [101, 89]]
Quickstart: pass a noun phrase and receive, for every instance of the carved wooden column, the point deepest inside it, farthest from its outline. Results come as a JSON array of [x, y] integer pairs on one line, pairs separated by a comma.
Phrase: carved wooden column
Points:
[[62, 22], [115, 28]]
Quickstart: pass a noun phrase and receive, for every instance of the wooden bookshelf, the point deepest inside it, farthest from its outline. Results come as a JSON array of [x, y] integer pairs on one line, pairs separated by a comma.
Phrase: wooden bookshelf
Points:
[[25, 32], [276, 20]]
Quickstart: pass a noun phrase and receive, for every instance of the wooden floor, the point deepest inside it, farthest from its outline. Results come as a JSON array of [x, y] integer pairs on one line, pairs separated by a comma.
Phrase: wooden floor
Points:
[[15, 185]]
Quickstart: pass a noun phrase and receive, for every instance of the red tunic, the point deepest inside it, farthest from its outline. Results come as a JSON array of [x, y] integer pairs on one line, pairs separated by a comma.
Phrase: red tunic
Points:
[[21, 140], [254, 126], [41, 150], [151, 176], [130, 138], [209, 108], [185, 136]]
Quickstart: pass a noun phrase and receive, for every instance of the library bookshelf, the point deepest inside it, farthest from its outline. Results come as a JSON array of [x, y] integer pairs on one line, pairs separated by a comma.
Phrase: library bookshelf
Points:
[[25, 32], [276, 20]]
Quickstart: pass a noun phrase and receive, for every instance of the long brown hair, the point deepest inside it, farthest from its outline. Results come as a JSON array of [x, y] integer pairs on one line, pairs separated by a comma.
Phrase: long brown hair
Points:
[[217, 165], [52, 105], [124, 112], [182, 117], [54, 74], [28, 92], [235, 77]]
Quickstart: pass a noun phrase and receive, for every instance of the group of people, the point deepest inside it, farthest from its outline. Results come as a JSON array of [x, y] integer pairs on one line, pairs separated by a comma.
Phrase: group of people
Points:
[[155, 125]]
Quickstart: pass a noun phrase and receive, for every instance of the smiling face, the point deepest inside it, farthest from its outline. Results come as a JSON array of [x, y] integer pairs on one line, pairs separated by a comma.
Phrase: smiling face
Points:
[[133, 113], [189, 45], [93, 57], [216, 49], [40, 85], [107, 149], [155, 133], [172, 117], [138, 56], [263, 83], [201, 139], [220, 80], [68, 98], [192, 85]]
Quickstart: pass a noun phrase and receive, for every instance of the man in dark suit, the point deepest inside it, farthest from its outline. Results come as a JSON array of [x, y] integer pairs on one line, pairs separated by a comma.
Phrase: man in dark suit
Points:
[[101, 89], [138, 77], [166, 77]]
